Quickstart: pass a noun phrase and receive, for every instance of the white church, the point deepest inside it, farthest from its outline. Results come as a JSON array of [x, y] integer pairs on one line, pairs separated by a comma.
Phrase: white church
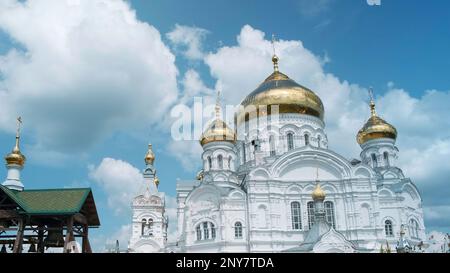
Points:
[[272, 185]]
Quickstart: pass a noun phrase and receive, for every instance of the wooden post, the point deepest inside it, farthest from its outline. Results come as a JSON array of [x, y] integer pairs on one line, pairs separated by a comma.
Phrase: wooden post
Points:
[[86, 247], [19, 238], [40, 245], [69, 234]]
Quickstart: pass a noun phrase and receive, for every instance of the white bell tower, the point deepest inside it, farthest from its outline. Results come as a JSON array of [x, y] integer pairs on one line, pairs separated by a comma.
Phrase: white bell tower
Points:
[[149, 228]]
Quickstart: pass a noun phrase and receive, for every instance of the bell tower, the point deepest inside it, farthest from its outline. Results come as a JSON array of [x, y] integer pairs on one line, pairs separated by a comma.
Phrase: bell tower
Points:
[[149, 228]]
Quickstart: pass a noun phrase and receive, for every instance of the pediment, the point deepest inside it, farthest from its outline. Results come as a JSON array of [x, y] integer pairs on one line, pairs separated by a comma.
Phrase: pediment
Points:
[[307, 171], [333, 242]]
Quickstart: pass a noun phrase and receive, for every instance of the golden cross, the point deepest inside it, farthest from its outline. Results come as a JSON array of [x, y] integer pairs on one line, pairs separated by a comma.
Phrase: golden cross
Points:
[[19, 123], [218, 104], [371, 93], [273, 44], [372, 102]]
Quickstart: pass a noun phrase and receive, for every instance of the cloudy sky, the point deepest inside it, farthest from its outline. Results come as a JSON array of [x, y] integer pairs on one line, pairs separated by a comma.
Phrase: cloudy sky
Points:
[[95, 81]]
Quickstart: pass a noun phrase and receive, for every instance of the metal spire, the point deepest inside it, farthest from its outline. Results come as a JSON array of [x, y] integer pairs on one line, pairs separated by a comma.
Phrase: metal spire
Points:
[[274, 57], [19, 124], [218, 105], [372, 102]]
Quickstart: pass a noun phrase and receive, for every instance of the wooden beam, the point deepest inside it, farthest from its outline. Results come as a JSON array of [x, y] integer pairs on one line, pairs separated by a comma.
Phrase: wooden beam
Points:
[[69, 234], [86, 246], [80, 218], [19, 238], [8, 214], [41, 245]]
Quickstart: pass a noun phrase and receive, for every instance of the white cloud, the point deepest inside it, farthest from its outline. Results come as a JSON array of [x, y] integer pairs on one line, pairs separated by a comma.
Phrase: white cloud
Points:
[[189, 39], [187, 152], [119, 180], [80, 70], [123, 235], [193, 86], [311, 9]]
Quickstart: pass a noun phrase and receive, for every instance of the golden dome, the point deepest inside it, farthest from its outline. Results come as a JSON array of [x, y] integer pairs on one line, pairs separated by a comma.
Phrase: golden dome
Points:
[[150, 156], [218, 130], [279, 89], [15, 157], [318, 194], [375, 128]]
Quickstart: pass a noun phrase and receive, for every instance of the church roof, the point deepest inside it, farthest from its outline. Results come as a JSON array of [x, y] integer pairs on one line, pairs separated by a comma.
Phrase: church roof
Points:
[[55, 202], [313, 236]]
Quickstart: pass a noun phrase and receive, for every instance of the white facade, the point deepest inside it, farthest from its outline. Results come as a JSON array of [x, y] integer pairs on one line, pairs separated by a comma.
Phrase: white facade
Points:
[[258, 198]]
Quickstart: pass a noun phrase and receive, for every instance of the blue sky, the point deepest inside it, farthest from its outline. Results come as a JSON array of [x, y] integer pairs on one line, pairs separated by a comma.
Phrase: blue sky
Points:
[[400, 48]]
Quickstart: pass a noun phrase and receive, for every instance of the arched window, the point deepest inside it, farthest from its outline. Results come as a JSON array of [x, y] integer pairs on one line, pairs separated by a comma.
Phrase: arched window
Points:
[[229, 163], [319, 139], [198, 231], [144, 223], [213, 231], [386, 158], [244, 156], [296, 215], [388, 230], [374, 161], [272, 145], [413, 228], [290, 141], [209, 163], [150, 224], [311, 219], [306, 139], [220, 161], [205, 231], [238, 230], [329, 213]]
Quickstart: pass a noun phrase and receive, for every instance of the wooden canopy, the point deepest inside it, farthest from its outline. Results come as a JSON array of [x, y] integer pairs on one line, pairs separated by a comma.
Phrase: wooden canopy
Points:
[[45, 214]]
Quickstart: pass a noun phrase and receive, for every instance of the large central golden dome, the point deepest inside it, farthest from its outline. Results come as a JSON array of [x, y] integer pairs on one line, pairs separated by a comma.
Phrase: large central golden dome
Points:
[[279, 90]]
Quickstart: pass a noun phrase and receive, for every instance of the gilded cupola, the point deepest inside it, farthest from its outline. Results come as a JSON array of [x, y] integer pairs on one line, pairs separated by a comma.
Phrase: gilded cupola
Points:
[[375, 127], [279, 90], [16, 157], [318, 194], [218, 130], [150, 156]]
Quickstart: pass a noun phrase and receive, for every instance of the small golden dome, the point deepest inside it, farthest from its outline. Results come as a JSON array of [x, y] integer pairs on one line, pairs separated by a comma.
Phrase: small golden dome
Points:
[[15, 157], [318, 194], [375, 128], [279, 90], [156, 181], [150, 156], [218, 130]]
